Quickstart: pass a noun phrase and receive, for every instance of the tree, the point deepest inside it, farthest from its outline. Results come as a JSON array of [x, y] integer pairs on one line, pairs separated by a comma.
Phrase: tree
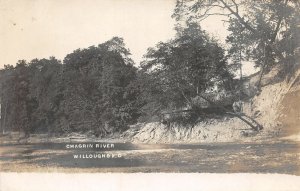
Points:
[[28, 93], [98, 81], [177, 72], [6, 85], [20, 99], [46, 92], [189, 73], [263, 31]]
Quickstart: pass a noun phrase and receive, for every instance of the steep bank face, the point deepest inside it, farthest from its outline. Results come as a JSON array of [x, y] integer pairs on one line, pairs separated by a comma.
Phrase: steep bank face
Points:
[[290, 114], [265, 107], [277, 108]]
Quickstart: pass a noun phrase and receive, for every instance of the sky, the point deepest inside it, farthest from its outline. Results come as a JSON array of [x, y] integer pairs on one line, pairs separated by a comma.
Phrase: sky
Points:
[[42, 28]]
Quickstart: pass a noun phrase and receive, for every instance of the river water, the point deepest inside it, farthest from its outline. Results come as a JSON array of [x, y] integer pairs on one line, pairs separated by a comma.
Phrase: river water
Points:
[[280, 157]]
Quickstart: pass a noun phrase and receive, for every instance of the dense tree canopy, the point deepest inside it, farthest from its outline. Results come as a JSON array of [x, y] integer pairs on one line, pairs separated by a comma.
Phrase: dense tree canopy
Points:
[[263, 31], [91, 90], [176, 72]]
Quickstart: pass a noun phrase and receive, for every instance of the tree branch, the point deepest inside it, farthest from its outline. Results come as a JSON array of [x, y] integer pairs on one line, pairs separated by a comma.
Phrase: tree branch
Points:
[[236, 6], [236, 14], [277, 26]]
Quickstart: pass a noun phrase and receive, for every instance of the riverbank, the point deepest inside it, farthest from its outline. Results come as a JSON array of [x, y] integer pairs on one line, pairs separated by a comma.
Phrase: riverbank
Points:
[[276, 107]]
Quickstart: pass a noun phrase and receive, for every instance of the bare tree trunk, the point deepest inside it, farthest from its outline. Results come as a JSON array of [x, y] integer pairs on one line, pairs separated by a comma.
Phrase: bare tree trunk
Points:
[[4, 119], [252, 123], [260, 78]]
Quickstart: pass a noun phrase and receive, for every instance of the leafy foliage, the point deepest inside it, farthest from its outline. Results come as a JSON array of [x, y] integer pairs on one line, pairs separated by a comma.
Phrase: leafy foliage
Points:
[[174, 73], [262, 31], [92, 90]]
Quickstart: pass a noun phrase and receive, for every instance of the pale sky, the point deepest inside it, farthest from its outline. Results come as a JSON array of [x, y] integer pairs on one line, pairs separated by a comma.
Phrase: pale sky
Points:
[[42, 28]]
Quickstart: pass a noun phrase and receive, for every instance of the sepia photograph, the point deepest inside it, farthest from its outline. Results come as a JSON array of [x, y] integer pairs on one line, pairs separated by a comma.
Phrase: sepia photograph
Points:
[[137, 89]]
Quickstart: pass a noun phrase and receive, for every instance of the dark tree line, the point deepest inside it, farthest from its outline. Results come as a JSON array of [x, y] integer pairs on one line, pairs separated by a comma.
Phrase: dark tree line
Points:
[[93, 89]]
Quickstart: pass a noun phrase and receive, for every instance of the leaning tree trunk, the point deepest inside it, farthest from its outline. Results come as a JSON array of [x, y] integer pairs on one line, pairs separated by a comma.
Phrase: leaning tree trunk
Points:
[[246, 119], [260, 78]]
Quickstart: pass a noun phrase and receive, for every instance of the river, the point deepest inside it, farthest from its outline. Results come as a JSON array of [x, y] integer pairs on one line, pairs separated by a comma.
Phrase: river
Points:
[[279, 157]]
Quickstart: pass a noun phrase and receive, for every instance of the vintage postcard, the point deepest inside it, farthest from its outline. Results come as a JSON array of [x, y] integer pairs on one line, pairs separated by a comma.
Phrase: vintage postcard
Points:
[[160, 86]]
